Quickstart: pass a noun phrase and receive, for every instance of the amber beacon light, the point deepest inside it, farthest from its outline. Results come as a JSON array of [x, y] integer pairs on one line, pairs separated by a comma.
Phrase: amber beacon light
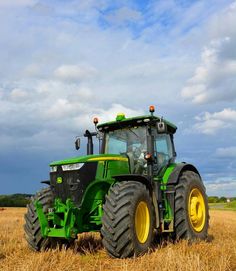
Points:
[[151, 109], [95, 121]]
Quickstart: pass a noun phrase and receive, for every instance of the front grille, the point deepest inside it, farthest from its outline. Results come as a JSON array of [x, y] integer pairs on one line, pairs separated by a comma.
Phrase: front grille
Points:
[[73, 183]]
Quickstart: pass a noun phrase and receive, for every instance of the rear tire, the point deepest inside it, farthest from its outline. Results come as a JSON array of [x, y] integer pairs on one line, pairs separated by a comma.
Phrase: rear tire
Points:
[[191, 208], [128, 220], [32, 229]]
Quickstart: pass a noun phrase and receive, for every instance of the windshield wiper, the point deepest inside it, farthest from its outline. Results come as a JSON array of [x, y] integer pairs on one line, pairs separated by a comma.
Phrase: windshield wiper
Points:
[[134, 133]]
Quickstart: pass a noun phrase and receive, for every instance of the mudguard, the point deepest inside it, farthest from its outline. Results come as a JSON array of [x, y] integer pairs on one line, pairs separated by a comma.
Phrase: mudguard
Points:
[[174, 176]]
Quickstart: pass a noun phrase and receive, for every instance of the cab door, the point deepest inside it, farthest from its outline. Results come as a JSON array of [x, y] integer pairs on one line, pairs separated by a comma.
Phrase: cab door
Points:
[[164, 150]]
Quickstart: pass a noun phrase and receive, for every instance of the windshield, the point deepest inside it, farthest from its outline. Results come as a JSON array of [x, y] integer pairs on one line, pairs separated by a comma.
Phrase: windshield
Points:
[[128, 140]]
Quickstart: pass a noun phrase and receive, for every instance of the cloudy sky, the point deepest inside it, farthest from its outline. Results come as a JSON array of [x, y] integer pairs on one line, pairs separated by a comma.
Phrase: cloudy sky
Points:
[[64, 62]]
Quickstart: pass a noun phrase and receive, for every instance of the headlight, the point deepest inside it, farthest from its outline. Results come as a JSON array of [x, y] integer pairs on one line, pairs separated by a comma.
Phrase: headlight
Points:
[[72, 166], [53, 168]]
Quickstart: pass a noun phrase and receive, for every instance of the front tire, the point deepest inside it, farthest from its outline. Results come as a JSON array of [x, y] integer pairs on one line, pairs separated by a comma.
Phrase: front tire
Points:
[[191, 208], [128, 220], [32, 228]]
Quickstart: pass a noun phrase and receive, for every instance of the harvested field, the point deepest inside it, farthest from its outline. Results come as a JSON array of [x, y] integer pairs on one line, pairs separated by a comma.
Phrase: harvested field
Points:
[[218, 254]]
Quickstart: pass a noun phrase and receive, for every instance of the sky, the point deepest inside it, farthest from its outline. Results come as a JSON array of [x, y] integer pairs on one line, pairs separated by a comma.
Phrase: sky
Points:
[[64, 62]]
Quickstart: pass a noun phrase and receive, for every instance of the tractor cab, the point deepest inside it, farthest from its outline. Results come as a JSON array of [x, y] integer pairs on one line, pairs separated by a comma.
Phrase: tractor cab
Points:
[[144, 140], [140, 141]]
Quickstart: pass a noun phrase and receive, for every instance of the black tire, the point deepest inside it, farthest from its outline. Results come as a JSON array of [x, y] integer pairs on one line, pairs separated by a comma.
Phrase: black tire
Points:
[[118, 222], [185, 226], [32, 227]]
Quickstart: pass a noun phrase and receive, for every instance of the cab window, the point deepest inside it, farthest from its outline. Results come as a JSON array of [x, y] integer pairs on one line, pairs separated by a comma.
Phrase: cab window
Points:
[[163, 149]]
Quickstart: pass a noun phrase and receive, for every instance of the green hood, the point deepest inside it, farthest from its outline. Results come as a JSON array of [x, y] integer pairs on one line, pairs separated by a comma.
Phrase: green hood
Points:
[[90, 158]]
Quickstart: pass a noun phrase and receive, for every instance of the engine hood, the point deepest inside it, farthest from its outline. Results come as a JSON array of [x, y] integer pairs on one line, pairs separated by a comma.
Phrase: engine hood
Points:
[[90, 158]]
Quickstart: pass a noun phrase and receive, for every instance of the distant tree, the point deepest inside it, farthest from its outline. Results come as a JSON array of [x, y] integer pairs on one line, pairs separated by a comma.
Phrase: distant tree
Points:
[[213, 199], [222, 199], [15, 200]]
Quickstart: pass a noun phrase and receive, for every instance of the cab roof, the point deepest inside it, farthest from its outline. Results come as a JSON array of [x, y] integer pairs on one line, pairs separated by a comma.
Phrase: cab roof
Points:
[[135, 121]]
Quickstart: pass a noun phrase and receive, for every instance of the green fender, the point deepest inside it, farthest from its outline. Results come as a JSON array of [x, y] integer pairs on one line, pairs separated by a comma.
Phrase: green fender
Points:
[[177, 171]]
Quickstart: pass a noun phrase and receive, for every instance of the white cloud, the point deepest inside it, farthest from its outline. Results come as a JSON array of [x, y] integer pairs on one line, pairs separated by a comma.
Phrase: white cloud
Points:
[[228, 152], [214, 80], [16, 3], [60, 109], [18, 94], [221, 187], [221, 22], [77, 108], [65, 108], [210, 123], [109, 114], [74, 72], [227, 114]]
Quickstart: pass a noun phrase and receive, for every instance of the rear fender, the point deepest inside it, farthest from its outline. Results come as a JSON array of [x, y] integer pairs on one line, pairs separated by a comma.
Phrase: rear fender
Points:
[[175, 174]]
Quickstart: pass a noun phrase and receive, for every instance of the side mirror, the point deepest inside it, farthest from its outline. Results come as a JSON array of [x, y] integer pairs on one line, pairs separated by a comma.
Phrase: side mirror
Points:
[[77, 143], [161, 127]]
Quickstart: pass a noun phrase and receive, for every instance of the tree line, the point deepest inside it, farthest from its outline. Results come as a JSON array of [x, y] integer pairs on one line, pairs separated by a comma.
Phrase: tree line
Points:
[[214, 199], [15, 200]]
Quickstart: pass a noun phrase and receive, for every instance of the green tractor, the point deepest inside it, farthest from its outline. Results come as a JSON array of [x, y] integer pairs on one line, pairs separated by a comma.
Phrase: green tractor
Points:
[[129, 192]]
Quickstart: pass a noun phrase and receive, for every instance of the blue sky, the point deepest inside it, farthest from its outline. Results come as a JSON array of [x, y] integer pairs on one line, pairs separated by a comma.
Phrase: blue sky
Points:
[[64, 62]]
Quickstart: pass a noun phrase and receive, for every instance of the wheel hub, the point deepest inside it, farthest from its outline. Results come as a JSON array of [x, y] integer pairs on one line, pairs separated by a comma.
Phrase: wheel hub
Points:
[[142, 222], [196, 210]]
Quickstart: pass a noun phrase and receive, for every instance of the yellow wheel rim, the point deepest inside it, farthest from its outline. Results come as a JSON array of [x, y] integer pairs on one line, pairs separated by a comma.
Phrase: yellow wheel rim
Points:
[[142, 222], [196, 210]]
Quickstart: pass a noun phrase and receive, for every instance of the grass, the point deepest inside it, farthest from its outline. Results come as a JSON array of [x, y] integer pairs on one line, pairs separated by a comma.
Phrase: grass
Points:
[[230, 206], [88, 254]]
